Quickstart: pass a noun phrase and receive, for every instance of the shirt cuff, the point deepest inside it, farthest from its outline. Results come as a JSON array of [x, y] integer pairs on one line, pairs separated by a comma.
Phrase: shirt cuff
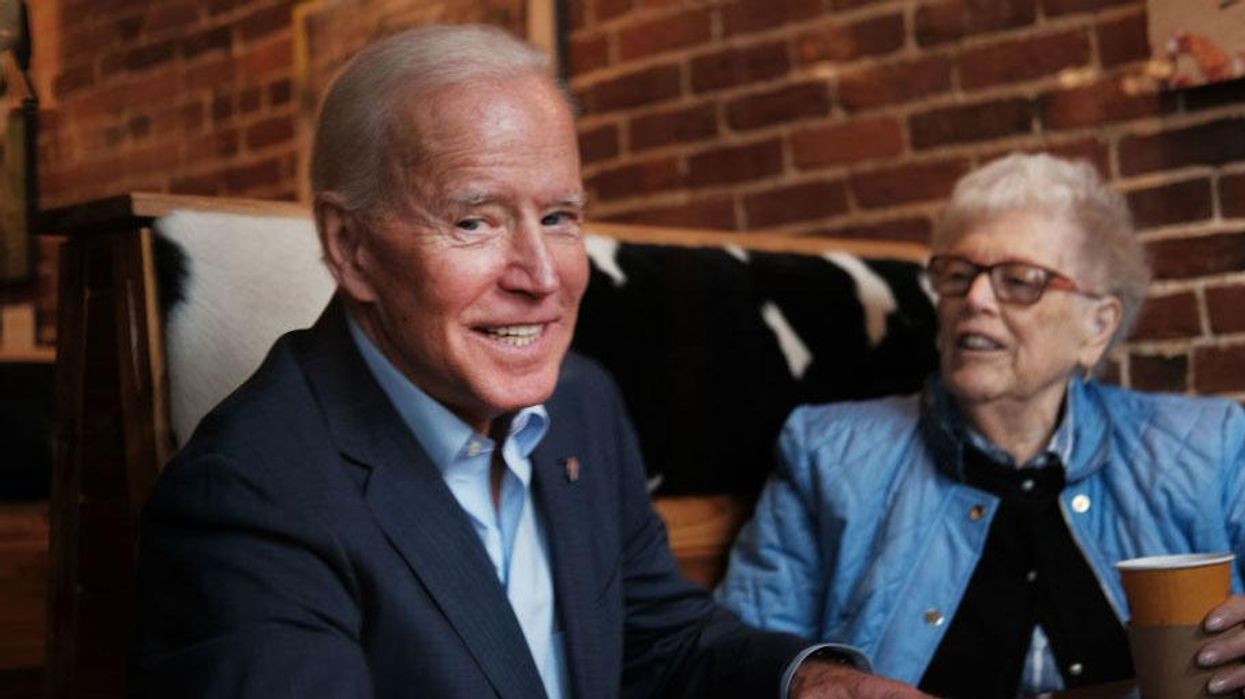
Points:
[[833, 652]]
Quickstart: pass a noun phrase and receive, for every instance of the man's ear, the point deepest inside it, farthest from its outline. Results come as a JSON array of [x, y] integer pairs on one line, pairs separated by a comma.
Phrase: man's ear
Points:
[[344, 239], [1101, 321]]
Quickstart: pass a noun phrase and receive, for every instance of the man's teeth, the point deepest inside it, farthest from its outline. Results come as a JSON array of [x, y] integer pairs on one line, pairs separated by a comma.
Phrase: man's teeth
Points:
[[515, 335], [978, 342]]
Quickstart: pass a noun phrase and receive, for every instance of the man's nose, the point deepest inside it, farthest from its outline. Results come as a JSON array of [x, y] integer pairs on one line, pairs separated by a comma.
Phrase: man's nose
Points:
[[530, 268]]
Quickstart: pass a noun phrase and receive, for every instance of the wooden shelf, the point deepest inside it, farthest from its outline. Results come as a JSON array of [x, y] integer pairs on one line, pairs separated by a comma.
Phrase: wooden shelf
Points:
[[30, 355]]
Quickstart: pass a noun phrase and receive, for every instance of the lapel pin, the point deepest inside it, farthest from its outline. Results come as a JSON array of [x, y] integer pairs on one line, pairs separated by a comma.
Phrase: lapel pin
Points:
[[572, 468]]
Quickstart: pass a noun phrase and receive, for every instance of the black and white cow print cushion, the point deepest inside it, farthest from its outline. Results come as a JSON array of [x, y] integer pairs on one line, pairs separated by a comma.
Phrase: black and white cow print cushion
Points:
[[712, 347]]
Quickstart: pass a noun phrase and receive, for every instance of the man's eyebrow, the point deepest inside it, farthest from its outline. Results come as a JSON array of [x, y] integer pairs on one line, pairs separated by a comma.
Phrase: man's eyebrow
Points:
[[577, 200]]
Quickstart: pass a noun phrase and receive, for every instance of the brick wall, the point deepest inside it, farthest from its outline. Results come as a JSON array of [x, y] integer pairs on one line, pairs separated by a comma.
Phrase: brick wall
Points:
[[854, 118], [835, 117]]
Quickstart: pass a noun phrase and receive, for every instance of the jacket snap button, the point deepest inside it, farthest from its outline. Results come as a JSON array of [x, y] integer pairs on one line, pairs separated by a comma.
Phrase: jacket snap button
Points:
[[933, 617], [1080, 504], [976, 512], [1075, 669]]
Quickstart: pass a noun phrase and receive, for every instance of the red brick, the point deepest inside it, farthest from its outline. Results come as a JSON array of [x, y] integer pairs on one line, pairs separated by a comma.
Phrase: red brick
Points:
[[1100, 103], [1232, 195], [1168, 317], [664, 34], [916, 230], [268, 57], [636, 178], [215, 39], [730, 164], [129, 28], [1123, 40], [279, 92], [576, 16], [1153, 372], [801, 202], [1171, 203], [1212, 143], [1226, 307], [150, 55], [1023, 59], [894, 82], [73, 80], [157, 157], [941, 21], [848, 142], [1053, 8], [600, 143], [220, 7], [241, 179], [222, 107], [265, 22], [744, 16], [870, 37], [644, 87], [215, 145], [201, 185], [1219, 369], [973, 122], [739, 66], [787, 103], [588, 53], [1200, 256], [609, 9], [1110, 372], [171, 16], [215, 72], [248, 100], [678, 126], [907, 183], [270, 131], [852, 4], [716, 212]]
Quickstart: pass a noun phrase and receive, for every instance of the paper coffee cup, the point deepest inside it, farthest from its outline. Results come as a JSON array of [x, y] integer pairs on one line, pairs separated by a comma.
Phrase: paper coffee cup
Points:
[[1169, 598]]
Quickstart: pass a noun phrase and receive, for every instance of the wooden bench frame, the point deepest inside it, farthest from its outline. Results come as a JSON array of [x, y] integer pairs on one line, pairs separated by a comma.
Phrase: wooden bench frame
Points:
[[113, 433]]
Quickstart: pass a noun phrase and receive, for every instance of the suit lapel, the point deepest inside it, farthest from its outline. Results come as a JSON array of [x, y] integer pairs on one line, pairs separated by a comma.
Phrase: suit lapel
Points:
[[563, 504], [417, 512]]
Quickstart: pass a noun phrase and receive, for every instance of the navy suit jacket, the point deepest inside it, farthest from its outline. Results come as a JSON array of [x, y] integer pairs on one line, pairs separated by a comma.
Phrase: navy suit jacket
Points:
[[303, 545]]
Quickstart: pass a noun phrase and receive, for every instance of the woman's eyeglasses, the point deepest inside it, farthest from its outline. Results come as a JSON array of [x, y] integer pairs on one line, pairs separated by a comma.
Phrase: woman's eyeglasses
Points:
[[1013, 281]]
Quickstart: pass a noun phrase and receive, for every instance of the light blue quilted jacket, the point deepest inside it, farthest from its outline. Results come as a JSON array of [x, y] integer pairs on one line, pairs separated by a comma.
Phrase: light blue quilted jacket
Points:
[[860, 538]]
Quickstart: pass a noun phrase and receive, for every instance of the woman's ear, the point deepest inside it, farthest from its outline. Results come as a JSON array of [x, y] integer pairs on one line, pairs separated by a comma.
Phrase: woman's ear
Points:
[[1101, 319], [344, 239]]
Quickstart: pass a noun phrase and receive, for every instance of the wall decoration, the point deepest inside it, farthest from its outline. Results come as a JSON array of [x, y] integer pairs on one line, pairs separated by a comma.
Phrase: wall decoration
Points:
[[1198, 41]]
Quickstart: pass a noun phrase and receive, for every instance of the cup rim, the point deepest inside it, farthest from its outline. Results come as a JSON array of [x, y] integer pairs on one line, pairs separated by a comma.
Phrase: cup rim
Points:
[[1174, 561]]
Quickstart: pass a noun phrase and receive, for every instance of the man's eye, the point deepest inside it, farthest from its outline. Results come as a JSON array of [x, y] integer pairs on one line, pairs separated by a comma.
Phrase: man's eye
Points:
[[556, 218], [470, 224]]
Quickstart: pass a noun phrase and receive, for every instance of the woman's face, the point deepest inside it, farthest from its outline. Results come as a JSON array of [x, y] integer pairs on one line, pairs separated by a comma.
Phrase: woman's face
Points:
[[996, 351]]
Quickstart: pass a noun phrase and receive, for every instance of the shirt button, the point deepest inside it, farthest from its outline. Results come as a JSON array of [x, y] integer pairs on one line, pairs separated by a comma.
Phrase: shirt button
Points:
[[1026, 485], [1075, 669], [474, 448], [1031, 576], [1080, 504], [976, 512], [933, 617]]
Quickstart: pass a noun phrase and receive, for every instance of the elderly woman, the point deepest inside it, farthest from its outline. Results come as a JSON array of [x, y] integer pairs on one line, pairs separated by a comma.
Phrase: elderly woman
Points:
[[964, 538]]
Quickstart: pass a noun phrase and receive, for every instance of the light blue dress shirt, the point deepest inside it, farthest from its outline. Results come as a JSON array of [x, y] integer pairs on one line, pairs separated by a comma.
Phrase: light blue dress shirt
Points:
[[512, 533]]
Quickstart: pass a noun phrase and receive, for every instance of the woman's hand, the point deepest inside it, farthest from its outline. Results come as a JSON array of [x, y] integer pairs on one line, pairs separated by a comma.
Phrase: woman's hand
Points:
[[1227, 651]]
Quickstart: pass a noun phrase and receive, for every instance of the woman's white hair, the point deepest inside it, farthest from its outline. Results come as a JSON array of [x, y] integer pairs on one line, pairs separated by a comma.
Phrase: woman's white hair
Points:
[[360, 115], [1041, 183]]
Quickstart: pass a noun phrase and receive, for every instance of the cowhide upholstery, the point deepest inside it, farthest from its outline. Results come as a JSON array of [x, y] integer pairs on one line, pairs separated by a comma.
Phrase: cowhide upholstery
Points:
[[712, 346]]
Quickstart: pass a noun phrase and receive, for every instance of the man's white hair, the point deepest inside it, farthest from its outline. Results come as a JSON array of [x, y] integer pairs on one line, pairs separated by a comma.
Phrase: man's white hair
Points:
[[361, 112], [1073, 190]]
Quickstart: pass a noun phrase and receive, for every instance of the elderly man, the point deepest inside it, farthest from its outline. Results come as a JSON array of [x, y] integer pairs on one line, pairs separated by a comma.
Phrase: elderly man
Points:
[[423, 494]]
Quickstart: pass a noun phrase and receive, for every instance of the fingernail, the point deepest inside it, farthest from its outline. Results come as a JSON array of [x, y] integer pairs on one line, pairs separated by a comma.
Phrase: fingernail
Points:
[[1207, 657], [1216, 686], [1214, 623]]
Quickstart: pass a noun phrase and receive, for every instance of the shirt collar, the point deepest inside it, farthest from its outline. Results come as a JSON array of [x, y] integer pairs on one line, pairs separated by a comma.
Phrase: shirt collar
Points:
[[948, 432], [445, 437]]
